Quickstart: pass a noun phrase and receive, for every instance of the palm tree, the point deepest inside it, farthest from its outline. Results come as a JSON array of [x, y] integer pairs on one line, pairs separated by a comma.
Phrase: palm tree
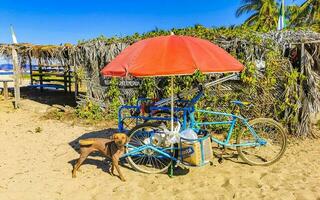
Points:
[[264, 14], [307, 14], [291, 12]]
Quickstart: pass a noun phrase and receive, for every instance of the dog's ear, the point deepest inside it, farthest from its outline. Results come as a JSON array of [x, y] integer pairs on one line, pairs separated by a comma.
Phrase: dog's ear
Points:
[[113, 136]]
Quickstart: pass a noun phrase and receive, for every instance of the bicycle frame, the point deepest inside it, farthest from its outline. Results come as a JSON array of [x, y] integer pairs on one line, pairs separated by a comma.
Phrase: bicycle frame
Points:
[[185, 110], [189, 121], [232, 123]]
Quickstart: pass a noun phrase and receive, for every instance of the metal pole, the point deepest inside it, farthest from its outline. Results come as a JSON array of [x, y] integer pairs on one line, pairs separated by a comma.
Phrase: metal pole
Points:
[[172, 104], [171, 166]]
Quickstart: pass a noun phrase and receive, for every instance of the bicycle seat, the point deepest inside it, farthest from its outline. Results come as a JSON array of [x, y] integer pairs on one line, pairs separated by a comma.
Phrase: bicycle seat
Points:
[[241, 103]]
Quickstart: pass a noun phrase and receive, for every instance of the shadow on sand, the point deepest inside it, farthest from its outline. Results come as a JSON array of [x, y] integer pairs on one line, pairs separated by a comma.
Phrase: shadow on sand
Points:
[[230, 155], [106, 163], [49, 97], [103, 165]]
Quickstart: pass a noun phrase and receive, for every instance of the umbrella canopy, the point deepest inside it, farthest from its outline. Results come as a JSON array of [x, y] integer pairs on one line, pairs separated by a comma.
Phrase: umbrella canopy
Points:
[[171, 55]]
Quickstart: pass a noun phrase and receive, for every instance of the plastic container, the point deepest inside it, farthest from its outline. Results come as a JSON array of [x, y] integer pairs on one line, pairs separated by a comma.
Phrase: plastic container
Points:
[[196, 152]]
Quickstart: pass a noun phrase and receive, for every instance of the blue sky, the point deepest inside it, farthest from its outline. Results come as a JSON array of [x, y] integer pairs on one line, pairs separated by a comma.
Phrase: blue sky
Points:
[[61, 21]]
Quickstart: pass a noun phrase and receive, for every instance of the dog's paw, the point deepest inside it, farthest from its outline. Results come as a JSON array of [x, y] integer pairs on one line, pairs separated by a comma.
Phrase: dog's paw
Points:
[[73, 174], [123, 179]]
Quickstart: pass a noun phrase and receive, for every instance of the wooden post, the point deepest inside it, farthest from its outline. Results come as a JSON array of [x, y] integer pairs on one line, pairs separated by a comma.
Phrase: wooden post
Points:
[[76, 83], [16, 72], [5, 90], [69, 78], [30, 64], [65, 81], [302, 56], [40, 75]]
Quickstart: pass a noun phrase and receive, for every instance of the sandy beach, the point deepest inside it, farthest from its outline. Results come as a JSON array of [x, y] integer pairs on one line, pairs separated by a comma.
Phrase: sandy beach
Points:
[[37, 155]]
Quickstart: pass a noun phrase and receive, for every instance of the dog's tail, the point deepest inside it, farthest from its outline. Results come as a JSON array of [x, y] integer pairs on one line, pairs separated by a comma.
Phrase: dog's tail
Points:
[[86, 142]]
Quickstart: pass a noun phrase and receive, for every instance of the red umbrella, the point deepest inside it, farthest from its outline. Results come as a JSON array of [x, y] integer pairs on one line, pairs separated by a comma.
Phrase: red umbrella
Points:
[[171, 55]]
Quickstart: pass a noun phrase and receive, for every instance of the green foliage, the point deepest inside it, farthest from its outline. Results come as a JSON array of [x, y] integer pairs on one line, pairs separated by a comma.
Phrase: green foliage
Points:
[[55, 114], [306, 15], [80, 73], [113, 94], [199, 31], [291, 99], [248, 76], [264, 15], [91, 111], [148, 88], [273, 64]]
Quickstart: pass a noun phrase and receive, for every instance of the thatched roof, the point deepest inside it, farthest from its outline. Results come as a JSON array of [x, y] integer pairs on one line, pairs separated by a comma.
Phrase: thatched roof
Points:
[[69, 54], [300, 98]]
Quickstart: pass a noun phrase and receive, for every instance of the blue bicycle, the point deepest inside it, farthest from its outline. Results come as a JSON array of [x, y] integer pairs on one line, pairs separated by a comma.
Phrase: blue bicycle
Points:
[[260, 141]]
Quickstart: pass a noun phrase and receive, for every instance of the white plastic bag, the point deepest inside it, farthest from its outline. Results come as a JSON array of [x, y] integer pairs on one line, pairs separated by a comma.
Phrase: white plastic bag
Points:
[[189, 134], [172, 137]]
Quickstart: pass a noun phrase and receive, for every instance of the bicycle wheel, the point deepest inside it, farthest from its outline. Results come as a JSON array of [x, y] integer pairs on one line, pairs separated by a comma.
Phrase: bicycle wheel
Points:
[[149, 161], [272, 142], [127, 122]]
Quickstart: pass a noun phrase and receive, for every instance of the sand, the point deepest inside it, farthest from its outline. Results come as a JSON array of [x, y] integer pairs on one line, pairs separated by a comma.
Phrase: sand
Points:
[[36, 165]]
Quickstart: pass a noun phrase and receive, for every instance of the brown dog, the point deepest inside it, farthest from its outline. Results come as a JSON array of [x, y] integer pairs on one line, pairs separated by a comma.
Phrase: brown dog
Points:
[[111, 148]]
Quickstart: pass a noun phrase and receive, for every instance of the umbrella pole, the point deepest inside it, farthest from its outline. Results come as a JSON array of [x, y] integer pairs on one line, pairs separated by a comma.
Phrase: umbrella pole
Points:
[[172, 110]]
